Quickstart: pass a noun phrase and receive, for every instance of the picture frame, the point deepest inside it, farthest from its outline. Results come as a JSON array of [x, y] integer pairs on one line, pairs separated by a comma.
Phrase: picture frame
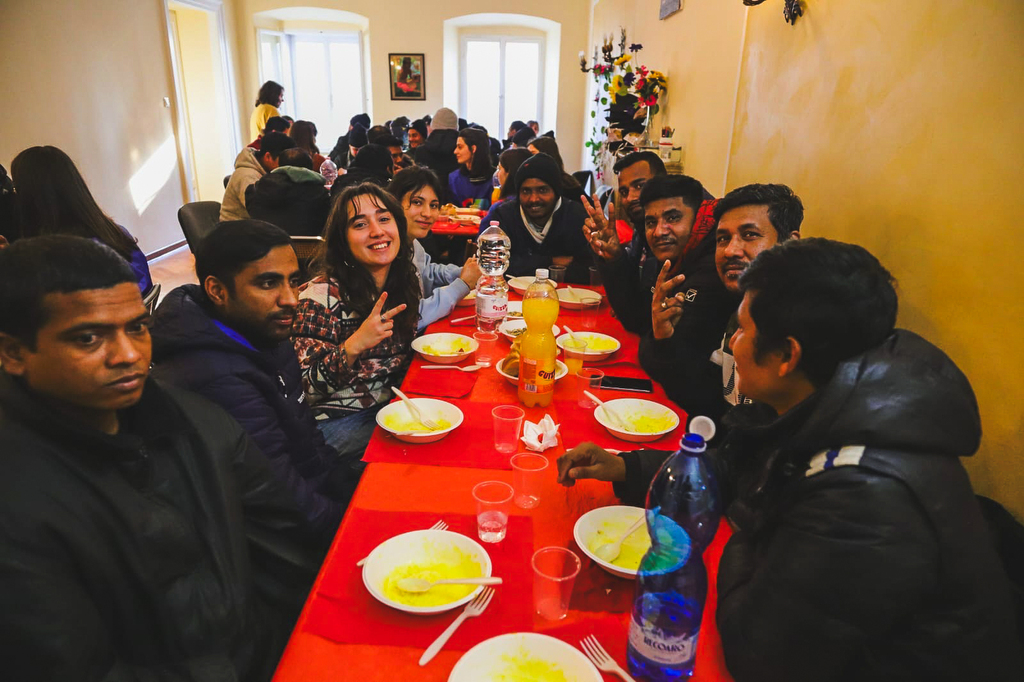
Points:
[[407, 76], [669, 7]]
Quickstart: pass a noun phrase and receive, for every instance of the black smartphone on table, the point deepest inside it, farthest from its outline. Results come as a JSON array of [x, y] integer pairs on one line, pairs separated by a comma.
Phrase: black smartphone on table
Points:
[[627, 384]]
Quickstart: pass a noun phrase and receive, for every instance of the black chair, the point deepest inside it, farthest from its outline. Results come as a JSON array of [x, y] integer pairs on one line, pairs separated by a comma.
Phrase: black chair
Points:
[[198, 220], [227, 179], [586, 180], [306, 249]]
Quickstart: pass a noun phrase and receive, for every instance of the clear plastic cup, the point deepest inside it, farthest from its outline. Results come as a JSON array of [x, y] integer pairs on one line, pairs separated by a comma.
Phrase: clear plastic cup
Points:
[[508, 420], [574, 352], [487, 343], [554, 573], [595, 277], [528, 478], [493, 503], [556, 273], [588, 313], [588, 380]]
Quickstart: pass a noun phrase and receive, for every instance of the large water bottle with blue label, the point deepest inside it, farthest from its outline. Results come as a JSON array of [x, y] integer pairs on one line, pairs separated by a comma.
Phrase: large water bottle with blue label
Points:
[[672, 583]]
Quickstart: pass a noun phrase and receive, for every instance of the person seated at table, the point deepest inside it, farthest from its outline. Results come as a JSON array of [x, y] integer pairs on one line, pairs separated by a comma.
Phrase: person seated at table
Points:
[[544, 229], [438, 151], [416, 134], [571, 188], [292, 196], [304, 134], [508, 165], [340, 153], [628, 267], [441, 286], [372, 164], [523, 138], [394, 147], [136, 519], [513, 128], [859, 550], [356, 319], [51, 197], [228, 339], [275, 124], [472, 183], [250, 166]]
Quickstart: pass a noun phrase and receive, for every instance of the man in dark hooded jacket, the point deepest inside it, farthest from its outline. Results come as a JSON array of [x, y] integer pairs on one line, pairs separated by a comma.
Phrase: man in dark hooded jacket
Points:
[[860, 552], [228, 341], [372, 164], [292, 196], [347, 145], [438, 152], [136, 519]]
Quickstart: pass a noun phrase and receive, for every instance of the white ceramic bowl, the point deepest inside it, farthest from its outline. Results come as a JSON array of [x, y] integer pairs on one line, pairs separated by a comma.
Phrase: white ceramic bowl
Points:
[[497, 658], [613, 520], [520, 283], [515, 309], [430, 408], [467, 300], [592, 355], [560, 371], [441, 340], [420, 546], [512, 327], [574, 300], [628, 408]]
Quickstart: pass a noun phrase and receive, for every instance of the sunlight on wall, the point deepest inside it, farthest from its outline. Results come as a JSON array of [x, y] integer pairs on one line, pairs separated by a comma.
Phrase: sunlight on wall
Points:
[[153, 174]]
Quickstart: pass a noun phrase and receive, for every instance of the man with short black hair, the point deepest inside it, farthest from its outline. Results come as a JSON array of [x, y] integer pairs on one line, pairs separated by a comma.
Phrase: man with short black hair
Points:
[[274, 124], [228, 340], [136, 519], [544, 229], [417, 134], [292, 196], [250, 166], [859, 551], [394, 147]]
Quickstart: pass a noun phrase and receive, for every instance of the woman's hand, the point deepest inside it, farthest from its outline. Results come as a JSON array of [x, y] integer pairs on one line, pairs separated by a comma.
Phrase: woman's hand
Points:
[[374, 329], [470, 272]]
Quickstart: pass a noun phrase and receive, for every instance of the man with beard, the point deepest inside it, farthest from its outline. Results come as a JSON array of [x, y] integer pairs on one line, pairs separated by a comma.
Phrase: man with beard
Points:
[[228, 340], [544, 229]]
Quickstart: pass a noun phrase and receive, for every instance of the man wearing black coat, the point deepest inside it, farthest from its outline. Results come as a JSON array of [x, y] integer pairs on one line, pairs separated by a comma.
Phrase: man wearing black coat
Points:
[[438, 152], [136, 519], [292, 196], [227, 340], [860, 552]]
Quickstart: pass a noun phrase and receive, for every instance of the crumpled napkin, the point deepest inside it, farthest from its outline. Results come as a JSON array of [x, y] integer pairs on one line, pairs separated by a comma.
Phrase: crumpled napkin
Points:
[[540, 436]]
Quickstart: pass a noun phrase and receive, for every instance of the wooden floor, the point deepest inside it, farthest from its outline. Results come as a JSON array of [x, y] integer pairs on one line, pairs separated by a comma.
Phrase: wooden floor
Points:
[[173, 269]]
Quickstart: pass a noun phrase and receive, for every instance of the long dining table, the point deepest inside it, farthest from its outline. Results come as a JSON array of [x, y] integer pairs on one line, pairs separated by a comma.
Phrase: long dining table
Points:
[[344, 633]]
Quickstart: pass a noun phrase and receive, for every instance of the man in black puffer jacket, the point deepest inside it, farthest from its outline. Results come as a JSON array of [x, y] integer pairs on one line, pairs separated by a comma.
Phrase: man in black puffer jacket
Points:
[[292, 196], [860, 552], [228, 341], [135, 519]]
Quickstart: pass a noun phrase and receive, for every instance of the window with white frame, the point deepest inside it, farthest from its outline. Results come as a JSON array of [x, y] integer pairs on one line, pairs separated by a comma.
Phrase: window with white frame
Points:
[[323, 77], [501, 80]]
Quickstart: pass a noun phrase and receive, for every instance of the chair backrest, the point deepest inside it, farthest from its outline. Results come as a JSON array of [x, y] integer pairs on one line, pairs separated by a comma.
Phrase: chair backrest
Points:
[[227, 179], [305, 250], [198, 220], [151, 297], [586, 180]]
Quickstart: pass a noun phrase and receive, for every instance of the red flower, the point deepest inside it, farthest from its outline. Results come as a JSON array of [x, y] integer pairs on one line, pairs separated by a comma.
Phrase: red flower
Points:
[[641, 83], [651, 101]]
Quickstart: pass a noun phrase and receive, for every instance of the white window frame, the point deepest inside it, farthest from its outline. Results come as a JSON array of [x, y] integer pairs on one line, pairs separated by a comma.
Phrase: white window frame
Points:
[[502, 39], [286, 63], [326, 38]]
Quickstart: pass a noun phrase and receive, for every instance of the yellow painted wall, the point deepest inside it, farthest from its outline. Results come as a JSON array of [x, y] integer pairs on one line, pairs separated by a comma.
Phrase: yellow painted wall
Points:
[[900, 125]]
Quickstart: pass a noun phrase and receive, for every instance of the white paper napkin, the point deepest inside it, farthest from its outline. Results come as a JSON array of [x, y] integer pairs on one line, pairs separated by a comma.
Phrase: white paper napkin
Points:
[[540, 436]]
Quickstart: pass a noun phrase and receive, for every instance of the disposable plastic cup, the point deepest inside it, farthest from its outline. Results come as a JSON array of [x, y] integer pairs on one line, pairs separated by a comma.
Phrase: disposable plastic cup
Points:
[[493, 503], [595, 277], [575, 352], [588, 313], [487, 342], [528, 471], [508, 420], [554, 573], [556, 273], [588, 380]]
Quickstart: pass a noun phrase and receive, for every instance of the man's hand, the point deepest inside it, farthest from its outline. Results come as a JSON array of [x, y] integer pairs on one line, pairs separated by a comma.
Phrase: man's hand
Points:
[[600, 234], [470, 272], [666, 309], [589, 461]]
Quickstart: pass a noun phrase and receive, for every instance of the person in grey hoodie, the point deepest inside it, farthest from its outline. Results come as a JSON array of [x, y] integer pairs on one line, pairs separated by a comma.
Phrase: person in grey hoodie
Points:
[[418, 190], [292, 196], [250, 166]]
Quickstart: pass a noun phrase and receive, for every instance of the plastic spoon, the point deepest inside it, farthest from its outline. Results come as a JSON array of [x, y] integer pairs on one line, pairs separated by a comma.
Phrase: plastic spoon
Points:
[[421, 585], [608, 411], [610, 552]]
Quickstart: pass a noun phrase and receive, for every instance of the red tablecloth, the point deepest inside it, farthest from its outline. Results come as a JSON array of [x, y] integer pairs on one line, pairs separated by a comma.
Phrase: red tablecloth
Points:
[[410, 486], [447, 229]]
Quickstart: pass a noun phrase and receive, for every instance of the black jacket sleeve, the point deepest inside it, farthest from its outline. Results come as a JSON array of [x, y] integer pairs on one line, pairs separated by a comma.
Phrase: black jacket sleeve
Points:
[[641, 467], [799, 603], [628, 297]]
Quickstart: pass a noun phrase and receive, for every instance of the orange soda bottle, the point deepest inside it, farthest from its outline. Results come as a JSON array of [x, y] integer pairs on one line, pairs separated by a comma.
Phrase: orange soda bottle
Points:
[[537, 348]]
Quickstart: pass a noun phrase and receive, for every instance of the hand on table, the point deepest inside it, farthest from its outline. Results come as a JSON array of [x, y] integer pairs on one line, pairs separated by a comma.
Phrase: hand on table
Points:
[[589, 461], [470, 272], [600, 232], [666, 309], [374, 329]]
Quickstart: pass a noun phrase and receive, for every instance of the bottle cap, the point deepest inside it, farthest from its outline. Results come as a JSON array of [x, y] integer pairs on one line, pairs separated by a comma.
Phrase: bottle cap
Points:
[[692, 442], [494, 223], [703, 427], [542, 273]]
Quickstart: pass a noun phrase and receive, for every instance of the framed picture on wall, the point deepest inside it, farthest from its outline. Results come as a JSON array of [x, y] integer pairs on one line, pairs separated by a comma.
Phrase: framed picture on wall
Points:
[[407, 77], [669, 7]]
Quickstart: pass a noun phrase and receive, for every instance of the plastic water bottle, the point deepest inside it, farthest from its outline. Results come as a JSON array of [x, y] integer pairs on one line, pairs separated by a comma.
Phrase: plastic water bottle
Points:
[[493, 251], [329, 171], [672, 583]]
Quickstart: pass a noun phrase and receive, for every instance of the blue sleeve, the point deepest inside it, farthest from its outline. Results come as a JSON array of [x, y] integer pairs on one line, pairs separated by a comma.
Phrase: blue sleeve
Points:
[[434, 275], [441, 302]]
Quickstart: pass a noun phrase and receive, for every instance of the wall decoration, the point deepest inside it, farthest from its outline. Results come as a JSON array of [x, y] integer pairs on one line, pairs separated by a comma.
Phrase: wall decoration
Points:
[[791, 12], [407, 76], [669, 7]]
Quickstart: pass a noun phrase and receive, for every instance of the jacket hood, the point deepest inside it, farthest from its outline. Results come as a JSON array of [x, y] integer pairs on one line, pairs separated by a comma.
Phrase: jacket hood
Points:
[[441, 141], [181, 324], [247, 159], [283, 189], [299, 175], [905, 395]]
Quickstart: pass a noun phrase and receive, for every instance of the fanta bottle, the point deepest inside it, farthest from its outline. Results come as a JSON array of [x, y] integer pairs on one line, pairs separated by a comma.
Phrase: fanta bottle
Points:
[[538, 349]]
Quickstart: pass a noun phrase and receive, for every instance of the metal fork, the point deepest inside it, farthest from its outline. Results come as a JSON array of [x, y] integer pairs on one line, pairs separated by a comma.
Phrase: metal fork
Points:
[[473, 608], [599, 657], [440, 525]]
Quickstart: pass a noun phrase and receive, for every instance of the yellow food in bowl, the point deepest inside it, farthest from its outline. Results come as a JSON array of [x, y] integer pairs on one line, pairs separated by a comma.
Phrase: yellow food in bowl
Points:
[[398, 423], [455, 347], [598, 344], [648, 423], [522, 667], [633, 548], [442, 565]]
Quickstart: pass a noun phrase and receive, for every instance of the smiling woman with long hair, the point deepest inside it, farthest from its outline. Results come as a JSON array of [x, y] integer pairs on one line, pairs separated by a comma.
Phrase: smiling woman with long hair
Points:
[[356, 319], [472, 182]]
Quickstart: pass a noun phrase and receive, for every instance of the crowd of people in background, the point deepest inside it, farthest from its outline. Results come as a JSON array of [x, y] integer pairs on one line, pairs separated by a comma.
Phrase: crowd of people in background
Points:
[[165, 522]]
